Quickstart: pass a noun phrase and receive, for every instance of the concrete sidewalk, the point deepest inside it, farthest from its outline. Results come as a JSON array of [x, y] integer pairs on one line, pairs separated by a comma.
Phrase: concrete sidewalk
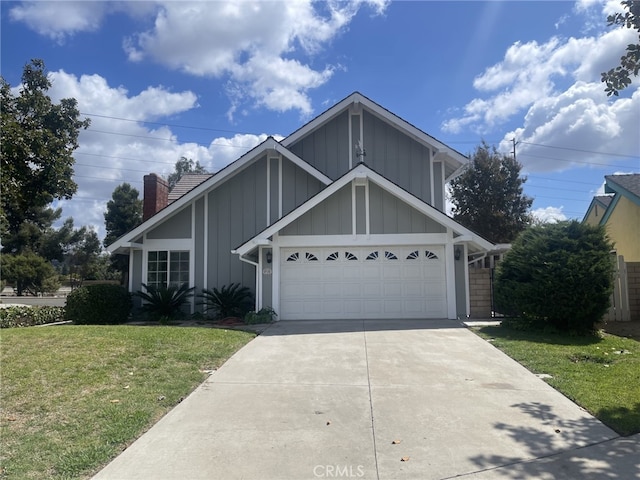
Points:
[[375, 400]]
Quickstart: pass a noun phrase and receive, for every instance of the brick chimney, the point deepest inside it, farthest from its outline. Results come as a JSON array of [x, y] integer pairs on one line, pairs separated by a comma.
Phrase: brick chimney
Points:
[[156, 195]]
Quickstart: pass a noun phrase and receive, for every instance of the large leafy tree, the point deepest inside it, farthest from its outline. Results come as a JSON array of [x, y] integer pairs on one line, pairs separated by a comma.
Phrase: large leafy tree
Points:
[[619, 78], [38, 140], [488, 197], [182, 167], [124, 212]]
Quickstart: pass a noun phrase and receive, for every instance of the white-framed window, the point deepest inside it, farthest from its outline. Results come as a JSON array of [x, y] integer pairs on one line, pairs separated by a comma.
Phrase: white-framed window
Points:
[[165, 268]]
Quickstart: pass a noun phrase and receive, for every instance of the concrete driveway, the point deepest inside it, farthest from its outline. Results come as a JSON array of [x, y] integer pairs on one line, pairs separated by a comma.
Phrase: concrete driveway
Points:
[[375, 400]]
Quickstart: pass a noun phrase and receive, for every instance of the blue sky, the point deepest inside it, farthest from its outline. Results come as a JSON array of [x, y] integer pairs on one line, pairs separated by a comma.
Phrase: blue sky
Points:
[[209, 80]]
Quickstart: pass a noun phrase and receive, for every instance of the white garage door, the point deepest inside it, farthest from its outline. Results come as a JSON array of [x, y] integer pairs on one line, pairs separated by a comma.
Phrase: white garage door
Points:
[[362, 282]]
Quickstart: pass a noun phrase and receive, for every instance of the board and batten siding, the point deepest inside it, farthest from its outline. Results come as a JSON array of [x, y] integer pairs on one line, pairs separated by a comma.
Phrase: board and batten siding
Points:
[[331, 217], [177, 226], [327, 148], [399, 158], [199, 276], [396, 156], [236, 212], [389, 215], [297, 186]]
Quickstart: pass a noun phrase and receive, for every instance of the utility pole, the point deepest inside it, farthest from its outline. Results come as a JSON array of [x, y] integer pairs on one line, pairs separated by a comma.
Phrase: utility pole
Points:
[[514, 148]]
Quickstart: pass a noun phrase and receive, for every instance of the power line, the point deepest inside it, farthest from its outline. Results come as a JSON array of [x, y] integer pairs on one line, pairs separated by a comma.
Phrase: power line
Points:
[[191, 127], [577, 161], [609, 154], [209, 129]]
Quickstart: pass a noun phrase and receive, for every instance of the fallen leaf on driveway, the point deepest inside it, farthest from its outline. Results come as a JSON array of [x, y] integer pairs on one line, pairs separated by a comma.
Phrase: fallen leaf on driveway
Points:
[[396, 442], [329, 423], [404, 459]]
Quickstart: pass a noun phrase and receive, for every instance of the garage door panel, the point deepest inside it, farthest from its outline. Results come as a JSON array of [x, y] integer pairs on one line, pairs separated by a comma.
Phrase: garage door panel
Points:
[[357, 282]]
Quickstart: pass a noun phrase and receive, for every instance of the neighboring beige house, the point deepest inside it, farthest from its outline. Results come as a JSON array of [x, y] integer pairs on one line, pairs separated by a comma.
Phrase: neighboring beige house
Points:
[[619, 212]]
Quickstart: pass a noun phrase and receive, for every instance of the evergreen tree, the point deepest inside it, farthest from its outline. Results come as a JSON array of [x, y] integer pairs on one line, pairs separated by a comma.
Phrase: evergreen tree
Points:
[[124, 213], [488, 197], [558, 275]]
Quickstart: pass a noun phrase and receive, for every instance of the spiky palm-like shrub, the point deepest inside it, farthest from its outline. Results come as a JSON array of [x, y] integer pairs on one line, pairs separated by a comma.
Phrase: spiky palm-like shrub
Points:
[[165, 302], [558, 275], [231, 300]]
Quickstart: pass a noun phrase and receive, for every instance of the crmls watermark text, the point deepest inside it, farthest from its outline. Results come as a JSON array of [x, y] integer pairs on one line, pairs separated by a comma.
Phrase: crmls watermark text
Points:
[[338, 471]]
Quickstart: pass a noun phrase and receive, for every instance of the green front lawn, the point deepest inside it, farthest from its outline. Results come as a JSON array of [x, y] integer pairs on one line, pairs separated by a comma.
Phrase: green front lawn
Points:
[[599, 373], [73, 397]]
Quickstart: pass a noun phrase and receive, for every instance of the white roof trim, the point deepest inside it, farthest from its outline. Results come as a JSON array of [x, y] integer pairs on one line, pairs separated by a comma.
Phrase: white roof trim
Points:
[[358, 172], [357, 98], [218, 178]]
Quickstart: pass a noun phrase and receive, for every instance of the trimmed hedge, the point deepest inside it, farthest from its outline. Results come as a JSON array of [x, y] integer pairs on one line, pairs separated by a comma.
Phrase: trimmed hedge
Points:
[[99, 305], [20, 316], [557, 276]]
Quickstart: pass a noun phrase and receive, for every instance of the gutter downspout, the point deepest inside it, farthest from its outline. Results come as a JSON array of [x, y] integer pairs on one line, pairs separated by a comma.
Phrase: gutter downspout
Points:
[[257, 266]]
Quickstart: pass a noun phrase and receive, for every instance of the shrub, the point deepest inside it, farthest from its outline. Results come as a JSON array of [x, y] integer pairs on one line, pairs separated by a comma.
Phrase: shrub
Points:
[[230, 301], [264, 315], [99, 305], [23, 316], [165, 303], [557, 275]]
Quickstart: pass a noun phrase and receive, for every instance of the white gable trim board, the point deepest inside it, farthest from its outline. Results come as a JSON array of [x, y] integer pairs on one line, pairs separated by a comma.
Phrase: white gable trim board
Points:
[[269, 145]]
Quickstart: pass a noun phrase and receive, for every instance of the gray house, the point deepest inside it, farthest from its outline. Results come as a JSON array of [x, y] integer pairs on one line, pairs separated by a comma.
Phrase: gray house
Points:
[[342, 219]]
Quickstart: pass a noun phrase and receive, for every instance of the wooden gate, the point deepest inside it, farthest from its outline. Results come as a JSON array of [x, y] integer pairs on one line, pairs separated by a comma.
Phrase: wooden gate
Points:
[[619, 310]]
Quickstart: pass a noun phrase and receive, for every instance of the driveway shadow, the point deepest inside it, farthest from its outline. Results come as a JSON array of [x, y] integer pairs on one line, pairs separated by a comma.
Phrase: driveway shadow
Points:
[[590, 457], [305, 327]]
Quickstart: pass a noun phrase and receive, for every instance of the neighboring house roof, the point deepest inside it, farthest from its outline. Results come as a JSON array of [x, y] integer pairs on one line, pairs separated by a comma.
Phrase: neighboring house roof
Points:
[[453, 159], [361, 171], [621, 186], [601, 201], [270, 144], [627, 185], [187, 183]]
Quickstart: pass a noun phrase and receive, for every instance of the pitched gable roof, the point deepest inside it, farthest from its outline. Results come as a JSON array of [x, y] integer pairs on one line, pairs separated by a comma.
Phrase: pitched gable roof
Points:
[[270, 144], [615, 187], [453, 159], [361, 171], [628, 185]]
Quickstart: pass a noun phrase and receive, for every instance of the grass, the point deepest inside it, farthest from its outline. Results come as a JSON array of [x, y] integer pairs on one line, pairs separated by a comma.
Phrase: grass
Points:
[[599, 373], [73, 397]]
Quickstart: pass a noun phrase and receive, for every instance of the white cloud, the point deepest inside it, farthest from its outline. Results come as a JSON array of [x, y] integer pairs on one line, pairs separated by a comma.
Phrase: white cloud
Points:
[[258, 46], [556, 87], [57, 20], [265, 50], [549, 214], [113, 151]]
